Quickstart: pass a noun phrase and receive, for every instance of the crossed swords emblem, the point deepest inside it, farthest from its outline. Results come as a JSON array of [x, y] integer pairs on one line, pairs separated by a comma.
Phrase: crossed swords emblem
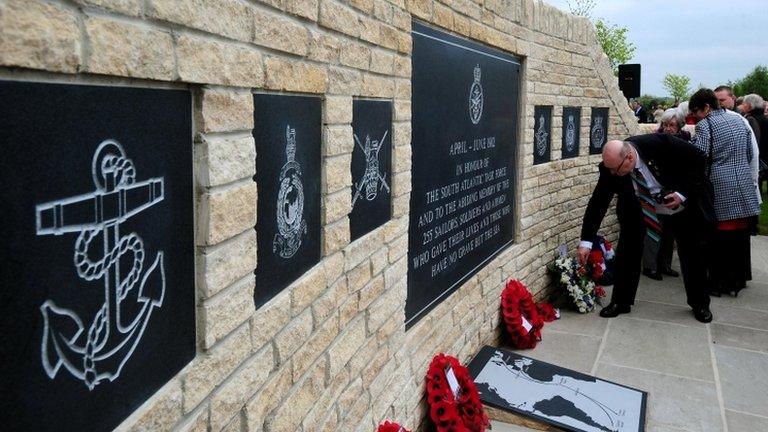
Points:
[[372, 176]]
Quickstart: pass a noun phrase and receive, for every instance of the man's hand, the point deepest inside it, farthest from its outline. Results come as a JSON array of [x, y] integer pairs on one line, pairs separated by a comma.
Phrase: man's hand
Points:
[[672, 201], [583, 254]]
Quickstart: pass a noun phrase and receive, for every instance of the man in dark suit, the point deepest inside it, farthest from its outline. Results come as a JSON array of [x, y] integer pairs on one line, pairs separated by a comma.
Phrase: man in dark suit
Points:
[[639, 111], [650, 174]]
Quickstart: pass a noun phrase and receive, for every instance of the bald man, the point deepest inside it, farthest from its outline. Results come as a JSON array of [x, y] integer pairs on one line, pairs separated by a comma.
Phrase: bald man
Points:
[[666, 174]]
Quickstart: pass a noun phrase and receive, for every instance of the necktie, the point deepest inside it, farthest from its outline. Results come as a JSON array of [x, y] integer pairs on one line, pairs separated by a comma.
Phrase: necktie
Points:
[[648, 205]]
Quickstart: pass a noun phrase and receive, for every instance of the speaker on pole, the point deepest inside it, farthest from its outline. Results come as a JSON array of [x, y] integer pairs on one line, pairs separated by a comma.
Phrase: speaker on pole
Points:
[[629, 80]]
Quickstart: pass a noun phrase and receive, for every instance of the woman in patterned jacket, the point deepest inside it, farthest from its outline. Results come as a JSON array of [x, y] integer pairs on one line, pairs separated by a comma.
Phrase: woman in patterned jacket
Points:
[[726, 138]]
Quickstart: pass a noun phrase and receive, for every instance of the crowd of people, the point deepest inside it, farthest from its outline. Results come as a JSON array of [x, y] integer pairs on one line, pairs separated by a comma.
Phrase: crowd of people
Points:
[[702, 192]]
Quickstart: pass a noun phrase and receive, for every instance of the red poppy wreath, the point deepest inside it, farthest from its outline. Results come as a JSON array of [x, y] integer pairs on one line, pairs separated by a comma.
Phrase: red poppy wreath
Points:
[[453, 412], [389, 426], [521, 315]]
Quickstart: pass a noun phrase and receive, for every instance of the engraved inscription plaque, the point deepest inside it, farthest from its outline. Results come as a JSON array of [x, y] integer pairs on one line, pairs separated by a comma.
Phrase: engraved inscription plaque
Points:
[[465, 113]]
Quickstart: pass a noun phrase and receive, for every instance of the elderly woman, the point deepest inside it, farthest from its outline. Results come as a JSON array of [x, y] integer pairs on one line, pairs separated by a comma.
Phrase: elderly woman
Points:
[[726, 139], [672, 122], [753, 106]]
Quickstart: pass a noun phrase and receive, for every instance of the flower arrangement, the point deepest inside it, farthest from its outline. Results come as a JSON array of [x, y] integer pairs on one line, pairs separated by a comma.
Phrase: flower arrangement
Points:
[[520, 315], [576, 280], [453, 412], [388, 426], [599, 264]]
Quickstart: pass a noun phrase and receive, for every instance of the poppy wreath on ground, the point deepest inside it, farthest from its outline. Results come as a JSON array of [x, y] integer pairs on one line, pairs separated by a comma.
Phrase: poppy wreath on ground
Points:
[[521, 315], [453, 414], [547, 312], [389, 426]]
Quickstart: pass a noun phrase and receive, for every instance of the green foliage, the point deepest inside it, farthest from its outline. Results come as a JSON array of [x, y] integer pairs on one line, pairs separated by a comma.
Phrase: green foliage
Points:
[[649, 101], [755, 82], [678, 86], [614, 41]]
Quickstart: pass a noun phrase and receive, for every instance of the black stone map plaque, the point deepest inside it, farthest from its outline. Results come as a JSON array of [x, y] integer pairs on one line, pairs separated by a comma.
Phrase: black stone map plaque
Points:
[[555, 395], [598, 130], [371, 166], [571, 131], [287, 135], [542, 134], [465, 105], [97, 287]]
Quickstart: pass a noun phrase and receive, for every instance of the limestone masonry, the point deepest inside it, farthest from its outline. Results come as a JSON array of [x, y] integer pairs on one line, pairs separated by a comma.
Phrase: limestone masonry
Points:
[[331, 351]]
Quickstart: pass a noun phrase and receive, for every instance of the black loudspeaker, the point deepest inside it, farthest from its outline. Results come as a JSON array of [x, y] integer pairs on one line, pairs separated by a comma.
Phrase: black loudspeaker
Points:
[[629, 80]]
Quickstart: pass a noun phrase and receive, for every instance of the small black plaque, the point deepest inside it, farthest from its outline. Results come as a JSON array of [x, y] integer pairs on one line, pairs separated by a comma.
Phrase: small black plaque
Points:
[[371, 166], [97, 293], [287, 135], [465, 112], [542, 134], [598, 130], [571, 131]]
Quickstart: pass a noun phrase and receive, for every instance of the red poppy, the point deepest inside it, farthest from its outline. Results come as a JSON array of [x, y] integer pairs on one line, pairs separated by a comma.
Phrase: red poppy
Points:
[[388, 426]]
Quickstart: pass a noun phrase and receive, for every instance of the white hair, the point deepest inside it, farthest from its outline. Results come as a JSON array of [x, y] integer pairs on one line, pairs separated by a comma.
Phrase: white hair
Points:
[[682, 109], [672, 114], [754, 101]]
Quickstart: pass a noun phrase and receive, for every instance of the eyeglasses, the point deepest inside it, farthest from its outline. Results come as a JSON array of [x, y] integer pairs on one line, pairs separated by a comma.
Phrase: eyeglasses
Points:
[[614, 171]]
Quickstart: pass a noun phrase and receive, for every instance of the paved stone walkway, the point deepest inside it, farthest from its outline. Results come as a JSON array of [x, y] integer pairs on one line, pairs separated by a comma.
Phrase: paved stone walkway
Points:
[[711, 377]]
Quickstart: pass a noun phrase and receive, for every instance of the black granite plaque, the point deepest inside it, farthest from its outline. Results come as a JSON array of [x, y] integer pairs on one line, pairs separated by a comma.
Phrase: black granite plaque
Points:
[[97, 287], [561, 397], [598, 130], [571, 131], [542, 134], [371, 166], [465, 111], [287, 135]]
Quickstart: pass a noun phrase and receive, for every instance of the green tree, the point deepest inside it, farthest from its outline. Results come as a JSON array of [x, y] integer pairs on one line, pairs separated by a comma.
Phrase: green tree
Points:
[[612, 38], [614, 41], [755, 82], [678, 86]]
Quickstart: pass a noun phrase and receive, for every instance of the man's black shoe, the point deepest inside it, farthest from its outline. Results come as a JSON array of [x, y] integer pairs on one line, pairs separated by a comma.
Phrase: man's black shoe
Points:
[[652, 274], [670, 272], [614, 309], [703, 314]]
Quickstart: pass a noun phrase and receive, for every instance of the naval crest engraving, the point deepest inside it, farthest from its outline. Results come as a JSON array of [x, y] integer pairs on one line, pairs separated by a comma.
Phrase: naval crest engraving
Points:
[[476, 97], [598, 133], [290, 202], [132, 291], [373, 180], [541, 136], [570, 134]]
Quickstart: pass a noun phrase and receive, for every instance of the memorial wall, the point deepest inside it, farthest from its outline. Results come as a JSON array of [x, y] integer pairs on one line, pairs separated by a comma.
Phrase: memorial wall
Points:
[[271, 214]]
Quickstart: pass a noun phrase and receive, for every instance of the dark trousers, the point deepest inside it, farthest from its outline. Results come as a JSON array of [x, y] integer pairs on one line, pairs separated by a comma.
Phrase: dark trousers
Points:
[[657, 256], [690, 233], [731, 265]]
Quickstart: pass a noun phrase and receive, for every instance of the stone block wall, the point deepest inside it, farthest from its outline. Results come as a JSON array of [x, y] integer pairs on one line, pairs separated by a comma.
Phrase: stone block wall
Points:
[[331, 351]]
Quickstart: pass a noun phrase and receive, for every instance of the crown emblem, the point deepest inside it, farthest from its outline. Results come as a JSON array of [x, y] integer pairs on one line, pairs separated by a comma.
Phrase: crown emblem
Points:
[[290, 143]]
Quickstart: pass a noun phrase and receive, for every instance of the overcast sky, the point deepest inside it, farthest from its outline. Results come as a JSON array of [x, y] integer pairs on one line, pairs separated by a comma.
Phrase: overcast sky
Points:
[[710, 41]]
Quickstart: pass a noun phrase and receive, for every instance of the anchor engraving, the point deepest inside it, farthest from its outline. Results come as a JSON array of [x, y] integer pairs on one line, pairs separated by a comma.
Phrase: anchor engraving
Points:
[[99, 352], [372, 175]]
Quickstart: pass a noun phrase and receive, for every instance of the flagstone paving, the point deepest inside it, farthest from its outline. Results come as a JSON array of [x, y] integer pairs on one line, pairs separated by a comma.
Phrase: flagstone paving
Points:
[[700, 377]]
